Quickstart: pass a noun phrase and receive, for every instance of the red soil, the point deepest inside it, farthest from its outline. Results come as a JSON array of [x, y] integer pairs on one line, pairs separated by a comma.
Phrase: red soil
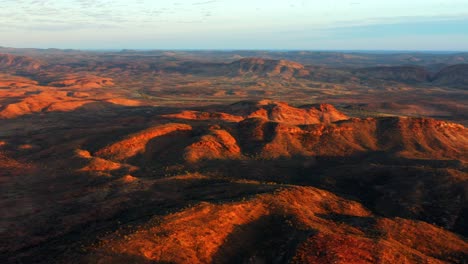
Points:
[[199, 234], [136, 143]]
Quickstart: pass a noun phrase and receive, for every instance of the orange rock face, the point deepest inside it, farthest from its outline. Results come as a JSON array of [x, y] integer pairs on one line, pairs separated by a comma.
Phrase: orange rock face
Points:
[[220, 187], [328, 228], [135, 143], [284, 113], [218, 144], [145, 157], [273, 130], [196, 115], [128, 179]]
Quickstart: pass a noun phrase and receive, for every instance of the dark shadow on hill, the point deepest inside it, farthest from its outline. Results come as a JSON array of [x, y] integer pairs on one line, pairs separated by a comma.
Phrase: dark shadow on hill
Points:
[[139, 206], [165, 150], [100, 122], [363, 223], [117, 258], [430, 190], [269, 239]]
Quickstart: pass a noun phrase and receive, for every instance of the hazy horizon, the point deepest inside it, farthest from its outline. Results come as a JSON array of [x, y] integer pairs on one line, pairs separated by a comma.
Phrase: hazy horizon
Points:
[[236, 25], [368, 51]]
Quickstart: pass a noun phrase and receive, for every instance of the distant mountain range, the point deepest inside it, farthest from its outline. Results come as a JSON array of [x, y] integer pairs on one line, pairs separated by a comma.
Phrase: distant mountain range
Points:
[[441, 75]]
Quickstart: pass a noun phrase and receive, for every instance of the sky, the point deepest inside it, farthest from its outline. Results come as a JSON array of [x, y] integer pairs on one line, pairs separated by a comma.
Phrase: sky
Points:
[[236, 24]]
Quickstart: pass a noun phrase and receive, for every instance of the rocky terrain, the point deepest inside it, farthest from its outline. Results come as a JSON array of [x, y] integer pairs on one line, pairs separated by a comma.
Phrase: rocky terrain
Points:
[[158, 157]]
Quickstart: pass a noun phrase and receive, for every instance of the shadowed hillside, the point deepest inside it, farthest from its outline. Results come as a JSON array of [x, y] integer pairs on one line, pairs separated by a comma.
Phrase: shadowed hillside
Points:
[[232, 157], [455, 75], [165, 186]]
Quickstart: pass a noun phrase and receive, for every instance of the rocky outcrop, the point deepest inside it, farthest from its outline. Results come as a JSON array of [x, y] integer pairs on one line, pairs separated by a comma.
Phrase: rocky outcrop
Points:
[[135, 144], [217, 144], [284, 113]]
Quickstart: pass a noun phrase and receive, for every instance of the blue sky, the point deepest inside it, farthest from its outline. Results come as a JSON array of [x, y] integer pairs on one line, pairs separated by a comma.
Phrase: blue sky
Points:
[[236, 24]]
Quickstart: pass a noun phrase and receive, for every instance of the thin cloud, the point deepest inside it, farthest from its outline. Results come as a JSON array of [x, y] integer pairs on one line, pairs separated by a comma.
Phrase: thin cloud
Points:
[[205, 3]]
